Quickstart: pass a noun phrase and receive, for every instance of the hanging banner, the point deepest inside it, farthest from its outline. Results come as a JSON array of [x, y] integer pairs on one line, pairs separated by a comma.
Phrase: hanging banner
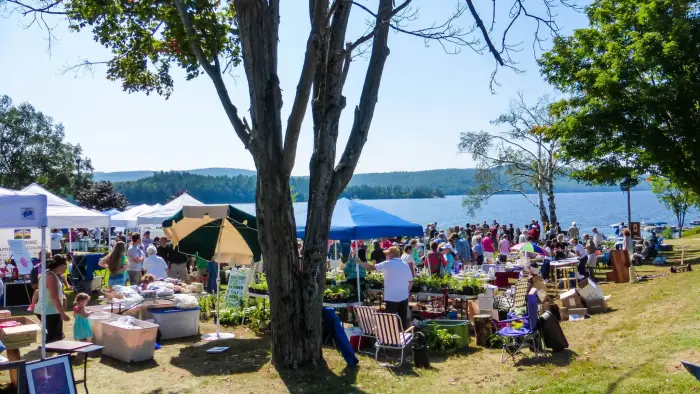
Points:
[[20, 254], [237, 288]]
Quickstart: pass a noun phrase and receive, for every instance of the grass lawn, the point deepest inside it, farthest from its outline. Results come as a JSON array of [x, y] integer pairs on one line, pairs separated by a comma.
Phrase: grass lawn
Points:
[[635, 348]]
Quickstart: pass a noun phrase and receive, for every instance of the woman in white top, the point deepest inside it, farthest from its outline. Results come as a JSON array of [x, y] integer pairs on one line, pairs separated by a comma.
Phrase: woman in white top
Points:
[[154, 264]]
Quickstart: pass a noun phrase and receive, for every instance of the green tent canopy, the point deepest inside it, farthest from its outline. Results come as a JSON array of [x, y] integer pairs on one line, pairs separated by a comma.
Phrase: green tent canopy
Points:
[[219, 233]]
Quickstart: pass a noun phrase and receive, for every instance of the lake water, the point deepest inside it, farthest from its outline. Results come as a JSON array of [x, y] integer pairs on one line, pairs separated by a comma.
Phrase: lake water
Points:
[[589, 210]]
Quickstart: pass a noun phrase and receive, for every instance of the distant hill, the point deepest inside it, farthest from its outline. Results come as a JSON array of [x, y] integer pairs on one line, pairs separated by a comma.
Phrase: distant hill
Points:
[[229, 185], [125, 176]]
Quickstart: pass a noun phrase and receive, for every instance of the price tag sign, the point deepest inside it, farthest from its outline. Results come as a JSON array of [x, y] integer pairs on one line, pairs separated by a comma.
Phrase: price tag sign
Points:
[[21, 256], [237, 286]]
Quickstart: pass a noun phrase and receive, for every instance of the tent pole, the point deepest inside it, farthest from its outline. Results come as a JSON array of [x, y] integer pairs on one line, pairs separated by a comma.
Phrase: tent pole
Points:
[[70, 241], [42, 292], [218, 281], [357, 268]]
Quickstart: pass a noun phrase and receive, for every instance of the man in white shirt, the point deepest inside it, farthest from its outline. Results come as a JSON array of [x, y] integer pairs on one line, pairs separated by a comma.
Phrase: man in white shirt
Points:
[[573, 231], [398, 281], [581, 255], [597, 237], [56, 242], [135, 255]]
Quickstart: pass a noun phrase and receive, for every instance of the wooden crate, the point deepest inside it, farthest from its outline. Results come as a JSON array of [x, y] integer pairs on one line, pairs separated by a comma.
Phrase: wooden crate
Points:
[[19, 336]]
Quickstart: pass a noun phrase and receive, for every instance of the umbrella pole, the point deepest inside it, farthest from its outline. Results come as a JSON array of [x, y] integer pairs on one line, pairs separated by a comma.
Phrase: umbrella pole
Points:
[[219, 334], [357, 270]]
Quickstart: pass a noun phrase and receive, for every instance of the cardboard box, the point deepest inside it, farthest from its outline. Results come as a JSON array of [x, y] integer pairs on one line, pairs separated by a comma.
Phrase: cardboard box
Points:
[[472, 309], [589, 291], [5, 313], [571, 299], [491, 312], [598, 306], [541, 295], [19, 336], [581, 312], [564, 314]]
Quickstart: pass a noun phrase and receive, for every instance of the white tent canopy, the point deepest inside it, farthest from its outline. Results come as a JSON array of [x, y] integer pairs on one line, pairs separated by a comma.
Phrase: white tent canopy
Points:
[[129, 218], [62, 214], [21, 210], [158, 216]]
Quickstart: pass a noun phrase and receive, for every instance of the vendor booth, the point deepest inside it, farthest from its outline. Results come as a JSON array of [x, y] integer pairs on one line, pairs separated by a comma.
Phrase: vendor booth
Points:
[[217, 233], [155, 218], [23, 210], [129, 218]]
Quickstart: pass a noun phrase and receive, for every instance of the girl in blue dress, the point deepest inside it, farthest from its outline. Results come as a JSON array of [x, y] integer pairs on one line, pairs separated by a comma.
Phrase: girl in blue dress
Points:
[[81, 329]]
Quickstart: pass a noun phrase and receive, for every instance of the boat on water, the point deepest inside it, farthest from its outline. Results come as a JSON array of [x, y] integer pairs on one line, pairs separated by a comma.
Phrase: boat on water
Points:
[[695, 222]]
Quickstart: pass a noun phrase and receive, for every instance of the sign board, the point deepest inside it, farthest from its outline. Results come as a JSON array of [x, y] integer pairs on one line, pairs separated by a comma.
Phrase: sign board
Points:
[[635, 230], [32, 240], [20, 254], [237, 288]]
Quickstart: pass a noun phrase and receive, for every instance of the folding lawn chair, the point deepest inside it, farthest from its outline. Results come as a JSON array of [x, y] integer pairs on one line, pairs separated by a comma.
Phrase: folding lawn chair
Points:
[[391, 335], [517, 339], [365, 318]]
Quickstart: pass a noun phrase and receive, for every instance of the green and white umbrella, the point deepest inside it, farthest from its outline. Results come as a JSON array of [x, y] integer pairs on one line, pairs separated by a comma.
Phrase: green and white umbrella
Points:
[[218, 233]]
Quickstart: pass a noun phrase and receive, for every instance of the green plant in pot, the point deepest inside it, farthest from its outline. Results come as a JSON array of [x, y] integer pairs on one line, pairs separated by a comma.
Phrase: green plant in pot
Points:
[[375, 280], [337, 294], [440, 339], [260, 287]]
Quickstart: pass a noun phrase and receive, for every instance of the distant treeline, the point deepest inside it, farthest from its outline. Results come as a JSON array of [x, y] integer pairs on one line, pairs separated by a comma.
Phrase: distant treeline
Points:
[[241, 189]]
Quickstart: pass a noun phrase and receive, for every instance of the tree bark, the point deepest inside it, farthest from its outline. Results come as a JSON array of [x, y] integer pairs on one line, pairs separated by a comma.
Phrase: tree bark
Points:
[[629, 209], [540, 202], [552, 206]]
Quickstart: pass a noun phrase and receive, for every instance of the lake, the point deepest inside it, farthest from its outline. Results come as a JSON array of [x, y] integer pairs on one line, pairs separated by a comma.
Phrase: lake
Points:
[[599, 209]]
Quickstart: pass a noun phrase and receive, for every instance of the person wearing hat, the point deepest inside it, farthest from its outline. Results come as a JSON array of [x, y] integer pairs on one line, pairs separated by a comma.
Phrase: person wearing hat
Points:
[[446, 250], [398, 281]]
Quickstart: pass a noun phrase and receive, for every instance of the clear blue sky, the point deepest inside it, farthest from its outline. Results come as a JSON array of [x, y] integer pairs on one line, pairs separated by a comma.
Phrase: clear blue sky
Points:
[[426, 98]]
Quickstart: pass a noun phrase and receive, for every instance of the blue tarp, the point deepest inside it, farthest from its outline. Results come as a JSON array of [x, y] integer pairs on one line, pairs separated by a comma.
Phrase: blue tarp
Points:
[[353, 220]]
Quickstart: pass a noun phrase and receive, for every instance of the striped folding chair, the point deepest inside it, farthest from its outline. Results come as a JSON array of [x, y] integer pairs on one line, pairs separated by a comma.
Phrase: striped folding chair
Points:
[[365, 318], [391, 335]]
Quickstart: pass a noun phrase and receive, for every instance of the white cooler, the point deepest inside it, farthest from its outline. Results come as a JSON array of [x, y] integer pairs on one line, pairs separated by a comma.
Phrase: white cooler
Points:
[[96, 320], [176, 323], [129, 345]]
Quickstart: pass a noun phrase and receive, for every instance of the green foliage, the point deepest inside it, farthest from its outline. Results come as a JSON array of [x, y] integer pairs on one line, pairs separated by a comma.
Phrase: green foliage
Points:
[[494, 341], [33, 149], [260, 286], [692, 231], [100, 196], [676, 198], [375, 280], [632, 84], [257, 317], [338, 293], [146, 38], [667, 233], [440, 339]]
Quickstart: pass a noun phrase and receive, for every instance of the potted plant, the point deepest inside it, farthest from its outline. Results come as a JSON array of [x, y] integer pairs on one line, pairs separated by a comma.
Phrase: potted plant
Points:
[[260, 287], [337, 294], [375, 280]]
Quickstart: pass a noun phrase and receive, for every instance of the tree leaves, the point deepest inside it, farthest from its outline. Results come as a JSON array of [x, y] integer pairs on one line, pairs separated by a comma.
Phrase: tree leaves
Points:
[[634, 84], [32, 150], [101, 196]]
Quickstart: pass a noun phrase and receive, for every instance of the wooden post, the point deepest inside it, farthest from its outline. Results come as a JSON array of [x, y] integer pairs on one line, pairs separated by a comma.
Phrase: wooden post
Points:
[[13, 355], [482, 329]]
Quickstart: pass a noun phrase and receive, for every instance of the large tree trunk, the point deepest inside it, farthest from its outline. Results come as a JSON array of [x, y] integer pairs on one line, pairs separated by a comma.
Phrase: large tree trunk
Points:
[[543, 209], [295, 286], [552, 206]]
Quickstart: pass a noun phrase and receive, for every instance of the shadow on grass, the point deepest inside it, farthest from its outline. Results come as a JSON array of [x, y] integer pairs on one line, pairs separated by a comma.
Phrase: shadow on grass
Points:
[[128, 367], [322, 380], [612, 387], [559, 359], [244, 355]]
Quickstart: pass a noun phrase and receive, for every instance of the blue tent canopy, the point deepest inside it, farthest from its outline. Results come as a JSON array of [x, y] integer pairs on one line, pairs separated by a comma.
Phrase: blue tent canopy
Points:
[[353, 220]]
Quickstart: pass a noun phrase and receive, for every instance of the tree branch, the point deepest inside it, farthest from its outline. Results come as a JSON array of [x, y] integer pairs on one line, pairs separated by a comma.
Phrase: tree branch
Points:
[[46, 9], [485, 33], [368, 101], [306, 79], [243, 132]]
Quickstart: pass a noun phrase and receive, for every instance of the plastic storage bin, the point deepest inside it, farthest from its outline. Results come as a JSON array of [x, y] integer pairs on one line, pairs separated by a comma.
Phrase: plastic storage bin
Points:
[[456, 327], [96, 320], [129, 345], [176, 323]]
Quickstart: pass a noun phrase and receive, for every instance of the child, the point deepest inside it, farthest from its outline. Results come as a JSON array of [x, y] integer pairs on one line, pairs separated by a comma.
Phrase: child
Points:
[[145, 280], [81, 329]]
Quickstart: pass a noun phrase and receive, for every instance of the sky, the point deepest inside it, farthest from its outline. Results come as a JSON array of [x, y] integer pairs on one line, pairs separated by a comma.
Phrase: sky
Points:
[[427, 97]]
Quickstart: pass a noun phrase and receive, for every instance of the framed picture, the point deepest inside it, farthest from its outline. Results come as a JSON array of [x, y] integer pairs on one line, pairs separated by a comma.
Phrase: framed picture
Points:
[[635, 230], [50, 376]]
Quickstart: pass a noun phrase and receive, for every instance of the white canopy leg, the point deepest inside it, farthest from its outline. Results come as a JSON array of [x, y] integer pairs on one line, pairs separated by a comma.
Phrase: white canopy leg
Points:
[[218, 334], [42, 292]]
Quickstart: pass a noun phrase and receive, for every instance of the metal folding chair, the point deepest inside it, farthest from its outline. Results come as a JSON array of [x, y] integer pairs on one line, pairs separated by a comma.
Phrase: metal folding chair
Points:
[[391, 335], [365, 318], [515, 340]]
